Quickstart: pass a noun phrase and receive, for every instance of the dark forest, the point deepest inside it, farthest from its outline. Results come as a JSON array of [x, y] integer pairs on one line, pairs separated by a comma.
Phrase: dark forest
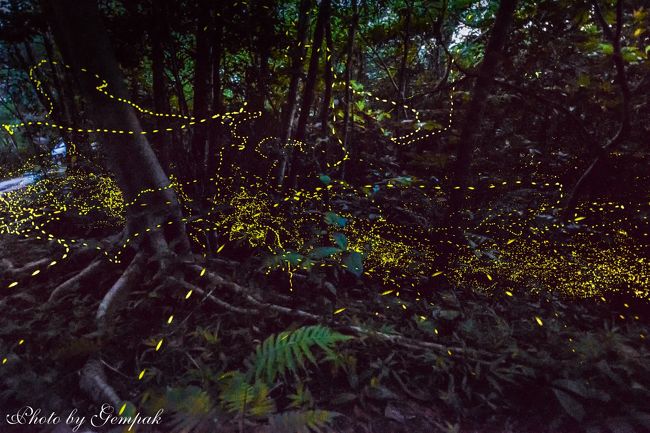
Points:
[[296, 216]]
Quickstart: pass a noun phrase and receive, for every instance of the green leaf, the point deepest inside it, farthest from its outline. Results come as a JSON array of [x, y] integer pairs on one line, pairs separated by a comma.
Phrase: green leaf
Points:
[[334, 219], [573, 407], [288, 351], [606, 49], [340, 240], [301, 421], [323, 252], [354, 263], [293, 258]]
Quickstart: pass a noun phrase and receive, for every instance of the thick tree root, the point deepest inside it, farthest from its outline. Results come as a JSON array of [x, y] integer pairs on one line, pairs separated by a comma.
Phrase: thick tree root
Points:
[[73, 283], [118, 291], [93, 382]]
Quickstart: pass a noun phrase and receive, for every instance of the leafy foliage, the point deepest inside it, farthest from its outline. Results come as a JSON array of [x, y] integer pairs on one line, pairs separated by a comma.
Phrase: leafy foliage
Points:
[[289, 351], [239, 397], [301, 421]]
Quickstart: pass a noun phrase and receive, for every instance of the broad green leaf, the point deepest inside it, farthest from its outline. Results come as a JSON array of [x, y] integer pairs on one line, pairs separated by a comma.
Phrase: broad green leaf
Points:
[[323, 252], [353, 262], [334, 219], [340, 240]]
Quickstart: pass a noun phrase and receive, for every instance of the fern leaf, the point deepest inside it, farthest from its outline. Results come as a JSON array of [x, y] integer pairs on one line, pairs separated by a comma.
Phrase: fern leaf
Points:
[[301, 421], [288, 350], [240, 397]]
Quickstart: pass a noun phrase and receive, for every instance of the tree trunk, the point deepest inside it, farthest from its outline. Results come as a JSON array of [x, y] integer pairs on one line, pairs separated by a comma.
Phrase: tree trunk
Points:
[[347, 77], [202, 76], [84, 43], [310, 85], [328, 73], [474, 113], [289, 111], [217, 96], [403, 69], [310, 82]]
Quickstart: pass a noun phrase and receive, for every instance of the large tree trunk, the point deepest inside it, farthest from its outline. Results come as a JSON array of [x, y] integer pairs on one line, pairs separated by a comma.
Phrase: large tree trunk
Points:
[[474, 113], [84, 43]]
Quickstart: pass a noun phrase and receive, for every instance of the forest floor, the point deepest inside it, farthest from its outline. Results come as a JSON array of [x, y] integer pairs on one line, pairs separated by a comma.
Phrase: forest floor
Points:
[[534, 326]]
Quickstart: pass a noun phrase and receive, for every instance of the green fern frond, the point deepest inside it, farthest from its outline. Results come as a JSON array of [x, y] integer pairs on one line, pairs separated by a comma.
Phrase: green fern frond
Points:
[[192, 408], [240, 397], [301, 421], [289, 350]]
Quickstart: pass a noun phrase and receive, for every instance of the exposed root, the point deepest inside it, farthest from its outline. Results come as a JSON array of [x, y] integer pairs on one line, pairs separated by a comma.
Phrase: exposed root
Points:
[[109, 304], [30, 267], [93, 381], [208, 295], [396, 339], [75, 282]]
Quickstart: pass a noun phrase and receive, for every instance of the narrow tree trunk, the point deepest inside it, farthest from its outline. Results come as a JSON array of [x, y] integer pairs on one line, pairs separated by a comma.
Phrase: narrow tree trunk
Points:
[[328, 74], [202, 76], [183, 107], [403, 69], [289, 111], [474, 113], [310, 85], [347, 97], [310, 82], [217, 94], [264, 43]]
